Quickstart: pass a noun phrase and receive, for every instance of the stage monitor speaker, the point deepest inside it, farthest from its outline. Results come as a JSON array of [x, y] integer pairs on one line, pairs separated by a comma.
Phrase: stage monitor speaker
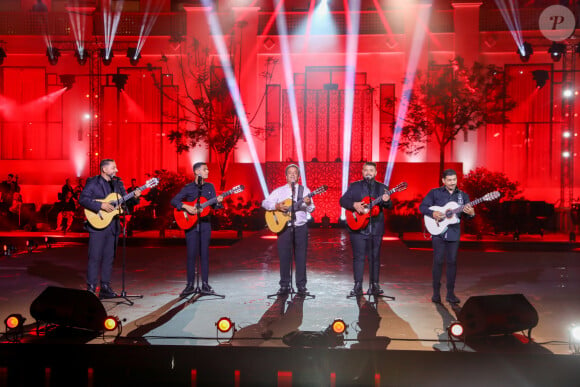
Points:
[[497, 314], [69, 307]]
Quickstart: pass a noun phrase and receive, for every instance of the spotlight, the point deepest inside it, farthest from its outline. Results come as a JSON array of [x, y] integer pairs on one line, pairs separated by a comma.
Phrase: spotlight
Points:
[[52, 53], [455, 329], [574, 338], [120, 80], [67, 80], [14, 325], [567, 93], [106, 59], [224, 324], [525, 52], [111, 323], [81, 56], [565, 154], [556, 51], [2, 55], [133, 56], [541, 77], [566, 134], [31, 245], [338, 326]]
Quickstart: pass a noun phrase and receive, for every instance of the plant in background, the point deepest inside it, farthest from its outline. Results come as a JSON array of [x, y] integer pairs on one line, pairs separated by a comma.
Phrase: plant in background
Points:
[[480, 181]]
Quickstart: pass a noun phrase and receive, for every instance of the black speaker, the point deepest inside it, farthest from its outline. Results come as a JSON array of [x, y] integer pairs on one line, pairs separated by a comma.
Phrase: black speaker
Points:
[[69, 307], [497, 314]]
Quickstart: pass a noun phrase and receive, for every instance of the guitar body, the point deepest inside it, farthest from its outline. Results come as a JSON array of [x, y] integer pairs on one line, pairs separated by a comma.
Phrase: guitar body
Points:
[[356, 221], [185, 220], [439, 227], [102, 219], [277, 220]]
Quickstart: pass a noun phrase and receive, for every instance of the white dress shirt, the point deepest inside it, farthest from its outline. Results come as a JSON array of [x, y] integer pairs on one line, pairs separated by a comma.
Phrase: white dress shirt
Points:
[[285, 192]]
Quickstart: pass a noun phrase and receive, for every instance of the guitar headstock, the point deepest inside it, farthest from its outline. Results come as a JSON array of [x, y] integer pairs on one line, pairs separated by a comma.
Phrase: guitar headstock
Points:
[[399, 187], [491, 196], [319, 190], [235, 190], [151, 182]]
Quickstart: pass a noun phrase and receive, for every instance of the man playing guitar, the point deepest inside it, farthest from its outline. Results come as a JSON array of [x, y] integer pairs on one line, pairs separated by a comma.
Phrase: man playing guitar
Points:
[[367, 241], [298, 231], [445, 245], [200, 234]]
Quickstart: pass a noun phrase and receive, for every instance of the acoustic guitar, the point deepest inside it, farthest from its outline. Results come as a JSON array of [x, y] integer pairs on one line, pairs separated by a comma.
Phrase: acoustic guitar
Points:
[[102, 219], [451, 209], [277, 220], [185, 220], [356, 221]]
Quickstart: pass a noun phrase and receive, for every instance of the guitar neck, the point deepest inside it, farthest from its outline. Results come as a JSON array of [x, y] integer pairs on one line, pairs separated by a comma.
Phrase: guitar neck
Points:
[[131, 194], [473, 204], [213, 201], [380, 198]]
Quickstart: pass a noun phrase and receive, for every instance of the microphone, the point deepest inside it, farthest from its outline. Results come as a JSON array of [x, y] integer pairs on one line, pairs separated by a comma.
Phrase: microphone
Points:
[[368, 178]]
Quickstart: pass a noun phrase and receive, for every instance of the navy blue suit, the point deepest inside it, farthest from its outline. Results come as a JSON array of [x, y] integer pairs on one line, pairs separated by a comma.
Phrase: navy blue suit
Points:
[[372, 235], [102, 243], [200, 233], [446, 245]]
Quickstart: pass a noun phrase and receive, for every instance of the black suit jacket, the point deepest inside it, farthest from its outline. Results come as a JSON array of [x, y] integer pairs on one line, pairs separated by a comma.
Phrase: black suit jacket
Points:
[[358, 191]]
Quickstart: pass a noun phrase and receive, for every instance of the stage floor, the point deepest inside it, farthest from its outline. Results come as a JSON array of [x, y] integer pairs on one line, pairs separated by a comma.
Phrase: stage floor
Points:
[[246, 271]]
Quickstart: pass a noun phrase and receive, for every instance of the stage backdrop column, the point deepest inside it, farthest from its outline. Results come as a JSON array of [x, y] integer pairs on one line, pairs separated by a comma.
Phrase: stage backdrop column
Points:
[[246, 67], [466, 23]]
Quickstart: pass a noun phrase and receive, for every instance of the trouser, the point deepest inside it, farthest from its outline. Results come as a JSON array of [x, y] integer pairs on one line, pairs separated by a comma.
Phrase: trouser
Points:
[[361, 248], [197, 241], [285, 244], [102, 247], [444, 250]]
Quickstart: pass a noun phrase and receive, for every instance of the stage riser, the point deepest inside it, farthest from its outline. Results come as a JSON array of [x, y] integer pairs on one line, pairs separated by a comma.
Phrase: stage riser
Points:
[[121, 365]]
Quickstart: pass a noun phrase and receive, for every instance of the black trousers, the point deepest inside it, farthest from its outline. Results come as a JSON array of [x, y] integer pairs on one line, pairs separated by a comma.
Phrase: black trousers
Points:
[[285, 255], [193, 238], [361, 248], [444, 250], [102, 247]]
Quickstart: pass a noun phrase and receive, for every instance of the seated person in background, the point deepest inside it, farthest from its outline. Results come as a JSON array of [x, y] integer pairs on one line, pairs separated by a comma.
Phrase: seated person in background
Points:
[[67, 212], [14, 209], [66, 188], [79, 188]]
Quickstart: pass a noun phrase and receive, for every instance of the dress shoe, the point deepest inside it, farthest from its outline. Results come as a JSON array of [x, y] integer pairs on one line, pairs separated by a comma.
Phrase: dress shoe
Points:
[[206, 288], [375, 289], [283, 291], [107, 292], [452, 298], [357, 289], [92, 289], [189, 289], [302, 291], [436, 298]]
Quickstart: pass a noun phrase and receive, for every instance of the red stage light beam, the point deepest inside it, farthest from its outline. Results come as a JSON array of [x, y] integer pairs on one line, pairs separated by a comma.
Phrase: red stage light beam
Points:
[[352, 11], [416, 49], [218, 39], [111, 22]]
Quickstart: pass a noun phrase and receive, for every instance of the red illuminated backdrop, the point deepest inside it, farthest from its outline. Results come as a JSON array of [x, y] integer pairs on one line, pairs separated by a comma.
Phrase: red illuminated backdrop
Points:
[[48, 134]]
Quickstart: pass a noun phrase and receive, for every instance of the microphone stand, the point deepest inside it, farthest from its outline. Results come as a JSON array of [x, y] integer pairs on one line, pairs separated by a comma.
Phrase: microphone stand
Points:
[[123, 295]]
